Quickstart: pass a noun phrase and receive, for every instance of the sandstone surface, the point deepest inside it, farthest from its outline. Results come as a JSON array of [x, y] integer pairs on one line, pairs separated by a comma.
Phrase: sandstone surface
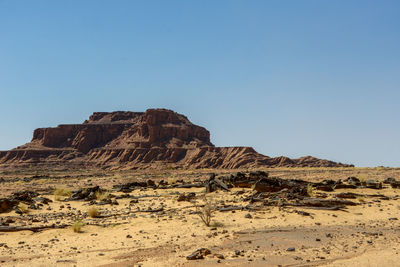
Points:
[[157, 138]]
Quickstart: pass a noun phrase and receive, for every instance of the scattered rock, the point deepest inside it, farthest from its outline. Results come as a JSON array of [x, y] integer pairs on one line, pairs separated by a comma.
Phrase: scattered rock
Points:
[[199, 254], [353, 181], [213, 184], [373, 184], [187, 197], [248, 216], [86, 194], [219, 256], [298, 187], [7, 204]]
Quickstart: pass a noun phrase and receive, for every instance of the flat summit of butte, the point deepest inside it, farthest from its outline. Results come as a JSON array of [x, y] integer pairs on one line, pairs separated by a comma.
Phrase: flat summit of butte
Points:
[[157, 138]]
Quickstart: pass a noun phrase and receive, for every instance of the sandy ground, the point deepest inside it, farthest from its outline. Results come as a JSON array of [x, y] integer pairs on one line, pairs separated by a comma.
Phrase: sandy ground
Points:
[[128, 234]]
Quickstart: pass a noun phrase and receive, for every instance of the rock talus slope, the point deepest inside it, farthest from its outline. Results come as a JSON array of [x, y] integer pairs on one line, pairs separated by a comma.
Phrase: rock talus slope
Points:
[[156, 138]]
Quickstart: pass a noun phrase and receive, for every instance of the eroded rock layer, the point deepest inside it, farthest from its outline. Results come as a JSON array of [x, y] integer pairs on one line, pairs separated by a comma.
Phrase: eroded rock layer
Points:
[[156, 138]]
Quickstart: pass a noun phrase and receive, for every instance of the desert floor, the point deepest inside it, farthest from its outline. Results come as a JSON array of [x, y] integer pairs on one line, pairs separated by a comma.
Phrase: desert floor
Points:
[[150, 227]]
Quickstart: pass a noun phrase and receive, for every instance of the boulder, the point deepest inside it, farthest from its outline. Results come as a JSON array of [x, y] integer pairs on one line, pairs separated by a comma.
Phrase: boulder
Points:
[[298, 187], [7, 204], [199, 254], [187, 197], [86, 194]]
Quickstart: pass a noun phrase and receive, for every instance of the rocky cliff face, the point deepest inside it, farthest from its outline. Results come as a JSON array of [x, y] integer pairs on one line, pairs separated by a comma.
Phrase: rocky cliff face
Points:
[[153, 139]]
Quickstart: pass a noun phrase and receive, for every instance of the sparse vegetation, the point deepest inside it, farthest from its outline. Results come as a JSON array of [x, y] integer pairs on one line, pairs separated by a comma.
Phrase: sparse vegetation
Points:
[[93, 212], [23, 208], [77, 226], [205, 213], [42, 181], [117, 176], [310, 190], [362, 178], [60, 193], [100, 196], [170, 167], [360, 199], [172, 180], [217, 224], [224, 215]]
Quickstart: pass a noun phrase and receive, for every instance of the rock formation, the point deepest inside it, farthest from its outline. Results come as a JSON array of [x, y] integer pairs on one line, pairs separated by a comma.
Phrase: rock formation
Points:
[[157, 138]]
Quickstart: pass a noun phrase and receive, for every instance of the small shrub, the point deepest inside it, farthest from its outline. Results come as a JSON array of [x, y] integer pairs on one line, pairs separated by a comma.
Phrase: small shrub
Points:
[[170, 167], [42, 181], [360, 199], [100, 196], [172, 181], [93, 212], [206, 212], [23, 208], [362, 179], [310, 190], [217, 224], [77, 226], [59, 193]]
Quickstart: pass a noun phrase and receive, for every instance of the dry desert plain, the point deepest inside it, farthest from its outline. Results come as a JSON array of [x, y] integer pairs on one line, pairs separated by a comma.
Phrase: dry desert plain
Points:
[[152, 217]]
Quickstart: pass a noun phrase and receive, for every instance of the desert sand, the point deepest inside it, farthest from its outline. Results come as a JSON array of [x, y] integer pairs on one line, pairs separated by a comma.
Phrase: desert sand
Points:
[[148, 226]]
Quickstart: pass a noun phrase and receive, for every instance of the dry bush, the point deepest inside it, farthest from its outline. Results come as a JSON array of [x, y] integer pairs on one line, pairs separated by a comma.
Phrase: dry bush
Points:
[[172, 180], [361, 199], [205, 213], [23, 208], [170, 167], [362, 178], [100, 196], [59, 193], [310, 190], [93, 212], [217, 224], [77, 226]]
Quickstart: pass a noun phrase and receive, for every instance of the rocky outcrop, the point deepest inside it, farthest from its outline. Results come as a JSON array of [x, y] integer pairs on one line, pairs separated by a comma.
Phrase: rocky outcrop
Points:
[[156, 138], [201, 157]]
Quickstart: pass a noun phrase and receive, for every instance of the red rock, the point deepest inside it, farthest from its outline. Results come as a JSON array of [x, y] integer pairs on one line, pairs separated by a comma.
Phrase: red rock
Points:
[[156, 138]]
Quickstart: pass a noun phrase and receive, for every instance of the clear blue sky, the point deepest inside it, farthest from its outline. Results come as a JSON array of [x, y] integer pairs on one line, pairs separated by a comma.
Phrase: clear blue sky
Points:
[[290, 78]]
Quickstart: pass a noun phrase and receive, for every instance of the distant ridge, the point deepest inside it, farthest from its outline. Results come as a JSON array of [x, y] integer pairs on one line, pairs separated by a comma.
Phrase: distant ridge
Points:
[[157, 138]]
